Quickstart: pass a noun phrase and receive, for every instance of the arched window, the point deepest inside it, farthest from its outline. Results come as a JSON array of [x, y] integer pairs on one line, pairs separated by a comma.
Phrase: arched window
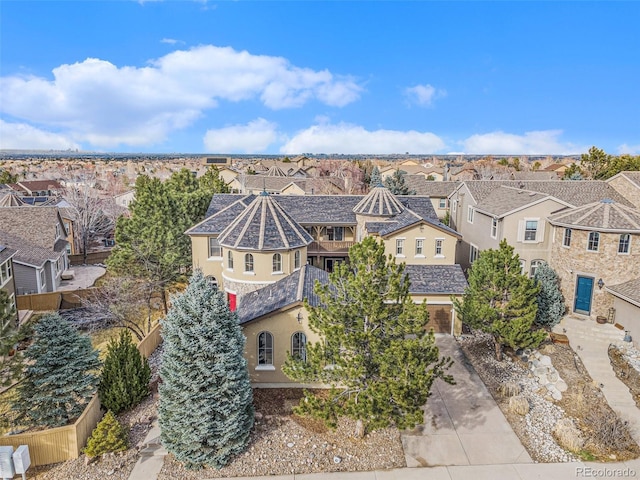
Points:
[[534, 266], [230, 260], [296, 259], [277, 262], [265, 348], [248, 262], [299, 346], [212, 280]]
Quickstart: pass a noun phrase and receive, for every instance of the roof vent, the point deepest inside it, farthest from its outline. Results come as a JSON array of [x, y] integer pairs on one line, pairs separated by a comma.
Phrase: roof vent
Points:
[[607, 200]]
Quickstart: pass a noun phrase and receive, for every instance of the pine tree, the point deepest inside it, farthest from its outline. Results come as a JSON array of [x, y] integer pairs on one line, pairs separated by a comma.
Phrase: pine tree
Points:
[[551, 305], [108, 436], [206, 410], [500, 300], [375, 179], [376, 351], [397, 184], [60, 377], [125, 377]]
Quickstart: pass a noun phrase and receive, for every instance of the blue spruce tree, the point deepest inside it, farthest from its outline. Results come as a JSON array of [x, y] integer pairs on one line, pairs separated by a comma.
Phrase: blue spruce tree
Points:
[[206, 402], [551, 305]]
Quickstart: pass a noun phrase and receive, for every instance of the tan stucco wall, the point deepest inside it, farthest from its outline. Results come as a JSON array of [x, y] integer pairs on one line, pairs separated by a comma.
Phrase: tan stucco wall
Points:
[[607, 263], [200, 258], [627, 189], [281, 325], [429, 235], [628, 315], [440, 212]]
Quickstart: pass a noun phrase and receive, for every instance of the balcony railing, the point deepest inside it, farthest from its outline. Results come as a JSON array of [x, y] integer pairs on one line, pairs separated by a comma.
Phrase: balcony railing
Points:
[[329, 247]]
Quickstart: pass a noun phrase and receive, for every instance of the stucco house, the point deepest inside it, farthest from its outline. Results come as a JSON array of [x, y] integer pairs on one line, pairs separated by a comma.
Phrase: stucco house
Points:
[[266, 251], [438, 192], [39, 237], [7, 279]]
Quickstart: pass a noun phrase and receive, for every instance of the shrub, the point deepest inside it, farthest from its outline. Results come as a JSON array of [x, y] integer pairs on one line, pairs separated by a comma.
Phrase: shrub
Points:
[[509, 389], [125, 377], [108, 436], [568, 436], [519, 404]]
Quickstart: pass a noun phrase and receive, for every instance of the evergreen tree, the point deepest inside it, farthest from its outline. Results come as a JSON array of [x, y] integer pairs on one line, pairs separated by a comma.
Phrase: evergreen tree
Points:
[[376, 351], [108, 436], [397, 184], [8, 324], [60, 376], [500, 300], [551, 305], [125, 377], [150, 243], [375, 179], [206, 410], [212, 182]]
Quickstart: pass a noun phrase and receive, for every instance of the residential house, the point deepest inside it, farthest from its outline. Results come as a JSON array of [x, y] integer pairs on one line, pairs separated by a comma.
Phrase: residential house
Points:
[[38, 236], [38, 188], [432, 173], [627, 184], [438, 192], [285, 185], [626, 305], [7, 280], [266, 251]]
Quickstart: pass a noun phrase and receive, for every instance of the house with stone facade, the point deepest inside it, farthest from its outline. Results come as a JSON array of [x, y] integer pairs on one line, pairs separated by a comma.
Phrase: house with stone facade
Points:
[[267, 251], [627, 184]]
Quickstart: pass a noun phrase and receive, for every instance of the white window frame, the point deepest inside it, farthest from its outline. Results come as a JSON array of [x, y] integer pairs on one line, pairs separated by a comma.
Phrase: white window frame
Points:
[[297, 259], [5, 273], [627, 243], [470, 213], [566, 239], [535, 232], [400, 247], [494, 227], [442, 203], [301, 349], [334, 232], [263, 361], [439, 248], [534, 265], [212, 247], [420, 247], [523, 265], [454, 206], [43, 279], [276, 263], [474, 253], [596, 236], [229, 260], [249, 265]]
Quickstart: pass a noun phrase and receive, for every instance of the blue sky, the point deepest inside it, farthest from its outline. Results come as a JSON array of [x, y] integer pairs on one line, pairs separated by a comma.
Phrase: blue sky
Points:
[[320, 77]]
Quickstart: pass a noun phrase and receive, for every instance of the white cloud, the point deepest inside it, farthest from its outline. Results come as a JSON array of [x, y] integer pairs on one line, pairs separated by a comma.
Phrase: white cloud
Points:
[[170, 41], [348, 138], [531, 143], [107, 105], [254, 137], [20, 136], [424, 95], [629, 149]]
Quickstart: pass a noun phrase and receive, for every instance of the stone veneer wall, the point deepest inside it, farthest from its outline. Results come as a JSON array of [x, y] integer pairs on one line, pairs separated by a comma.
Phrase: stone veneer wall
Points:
[[607, 264], [627, 189], [242, 288]]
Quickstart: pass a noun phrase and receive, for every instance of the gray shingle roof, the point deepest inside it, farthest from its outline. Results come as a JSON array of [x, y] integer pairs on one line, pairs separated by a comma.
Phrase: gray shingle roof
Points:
[[604, 216], [506, 199], [320, 209], [291, 289], [311, 186], [275, 171], [436, 279], [6, 253], [573, 192], [36, 224], [264, 225], [629, 290], [429, 188], [26, 251], [220, 220], [379, 202]]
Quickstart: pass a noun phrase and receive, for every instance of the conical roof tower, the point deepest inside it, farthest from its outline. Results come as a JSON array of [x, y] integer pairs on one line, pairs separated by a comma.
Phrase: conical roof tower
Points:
[[379, 202]]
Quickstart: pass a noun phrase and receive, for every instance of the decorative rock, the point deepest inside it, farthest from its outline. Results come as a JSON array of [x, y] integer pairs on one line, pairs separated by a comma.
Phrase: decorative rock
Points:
[[561, 385], [553, 376], [337, 459], [258, 416], [542, 380], [290, 444], [545, 360]]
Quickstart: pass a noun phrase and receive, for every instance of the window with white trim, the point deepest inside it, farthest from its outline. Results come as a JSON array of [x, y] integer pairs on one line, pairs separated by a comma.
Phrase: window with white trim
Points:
[[215, 250], [470, 211], [439, 243], [230, 260], [296, 259], [530, 230], [5, 272], [277, 263], [399, 247], [473, 253], [593, 242], [494, 228], [335, 234], [299, 346], [454, 206], [523, 264], [624, 243], [43, 279], [265, 348], [419, 246], [442, 203], [566, 238], [534, 266], [248, 262]]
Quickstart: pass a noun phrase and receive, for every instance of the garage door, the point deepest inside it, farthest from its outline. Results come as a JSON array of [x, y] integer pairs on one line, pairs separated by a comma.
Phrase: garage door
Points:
[[439, 318]]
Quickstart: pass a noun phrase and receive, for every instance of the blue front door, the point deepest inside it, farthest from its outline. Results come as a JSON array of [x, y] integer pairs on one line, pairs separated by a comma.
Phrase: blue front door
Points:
[[584, 290]]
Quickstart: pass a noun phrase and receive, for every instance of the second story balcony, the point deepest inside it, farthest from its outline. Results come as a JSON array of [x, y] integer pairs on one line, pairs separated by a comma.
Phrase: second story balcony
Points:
[[329, 246]]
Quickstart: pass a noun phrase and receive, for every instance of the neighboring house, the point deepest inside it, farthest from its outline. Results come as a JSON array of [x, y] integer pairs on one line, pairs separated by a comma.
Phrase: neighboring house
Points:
[[487, 211], [436, 173], [285, 185], [626, 304], [7, 279], [124, 199], [558, 168], [38, 188], [38, 236], [535, 175], [266, 251], [627, 184], [594, 246], [438, 192]]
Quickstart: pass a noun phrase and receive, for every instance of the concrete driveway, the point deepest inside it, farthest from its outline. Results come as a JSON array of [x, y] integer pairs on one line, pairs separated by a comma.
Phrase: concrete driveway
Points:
[[462, 423]]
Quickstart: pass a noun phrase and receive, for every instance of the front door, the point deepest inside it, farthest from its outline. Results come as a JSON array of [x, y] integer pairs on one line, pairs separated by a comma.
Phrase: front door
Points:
[[584, 291]]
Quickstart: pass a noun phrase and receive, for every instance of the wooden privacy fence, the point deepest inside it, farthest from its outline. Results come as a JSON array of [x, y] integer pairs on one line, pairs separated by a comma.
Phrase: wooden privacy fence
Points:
[[92, 258], [59, 444], [61, 300]]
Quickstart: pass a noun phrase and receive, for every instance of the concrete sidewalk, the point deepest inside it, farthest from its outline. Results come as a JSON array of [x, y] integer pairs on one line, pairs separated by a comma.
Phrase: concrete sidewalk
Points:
[[152, 456], [591, 341]]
